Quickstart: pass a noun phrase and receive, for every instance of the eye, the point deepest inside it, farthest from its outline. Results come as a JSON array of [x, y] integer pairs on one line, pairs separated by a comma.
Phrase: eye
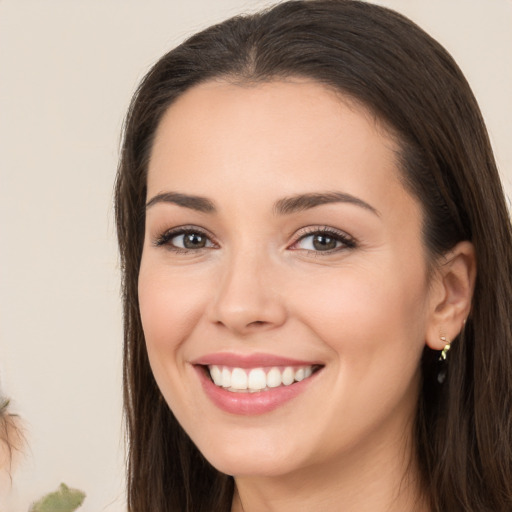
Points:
[[185, 239], [190, 241], [323, 240]]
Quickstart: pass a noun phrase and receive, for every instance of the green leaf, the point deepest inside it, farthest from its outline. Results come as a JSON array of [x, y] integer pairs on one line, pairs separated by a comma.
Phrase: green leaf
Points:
[[63, 500]]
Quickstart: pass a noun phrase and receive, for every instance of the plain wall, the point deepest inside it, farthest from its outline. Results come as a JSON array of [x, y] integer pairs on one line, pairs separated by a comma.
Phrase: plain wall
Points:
[[67, 71]]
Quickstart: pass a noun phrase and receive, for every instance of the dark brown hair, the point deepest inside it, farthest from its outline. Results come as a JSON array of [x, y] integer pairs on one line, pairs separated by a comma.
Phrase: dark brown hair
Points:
[[409, 82]]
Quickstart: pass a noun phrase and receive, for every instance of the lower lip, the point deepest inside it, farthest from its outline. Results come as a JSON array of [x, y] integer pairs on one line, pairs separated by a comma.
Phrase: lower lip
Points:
[[248, 404]]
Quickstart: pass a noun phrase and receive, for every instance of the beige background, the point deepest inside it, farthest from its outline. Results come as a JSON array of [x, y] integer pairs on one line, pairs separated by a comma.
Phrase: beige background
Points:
[[67, 71]]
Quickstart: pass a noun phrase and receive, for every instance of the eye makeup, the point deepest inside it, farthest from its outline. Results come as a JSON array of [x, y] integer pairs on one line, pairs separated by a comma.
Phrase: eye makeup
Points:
[[313, 239], [184, 239], [323, 239]]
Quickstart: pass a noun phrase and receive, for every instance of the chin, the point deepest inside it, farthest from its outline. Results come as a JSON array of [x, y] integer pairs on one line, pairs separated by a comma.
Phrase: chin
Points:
[[242, 466], [256, 457]]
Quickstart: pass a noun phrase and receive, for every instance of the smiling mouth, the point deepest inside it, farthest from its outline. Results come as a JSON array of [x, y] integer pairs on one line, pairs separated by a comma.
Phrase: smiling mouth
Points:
[[246, 380]]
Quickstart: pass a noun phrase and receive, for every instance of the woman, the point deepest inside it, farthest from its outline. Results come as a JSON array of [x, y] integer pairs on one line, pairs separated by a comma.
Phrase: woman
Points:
[[317, 266]]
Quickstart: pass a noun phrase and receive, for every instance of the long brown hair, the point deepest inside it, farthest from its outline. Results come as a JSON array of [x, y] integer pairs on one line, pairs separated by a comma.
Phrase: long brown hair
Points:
[[390, 65]]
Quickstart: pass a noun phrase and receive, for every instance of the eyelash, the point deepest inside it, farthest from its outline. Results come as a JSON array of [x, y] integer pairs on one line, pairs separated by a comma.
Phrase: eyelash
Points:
[[347, 242], [166, 237]]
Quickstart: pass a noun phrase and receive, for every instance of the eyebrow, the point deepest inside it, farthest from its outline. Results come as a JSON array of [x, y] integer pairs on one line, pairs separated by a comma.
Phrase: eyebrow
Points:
[[301, 202], [285, 206], [200, 204]]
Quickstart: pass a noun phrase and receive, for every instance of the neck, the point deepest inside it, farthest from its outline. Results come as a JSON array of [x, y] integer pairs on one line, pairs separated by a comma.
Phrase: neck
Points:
[[382, 477]]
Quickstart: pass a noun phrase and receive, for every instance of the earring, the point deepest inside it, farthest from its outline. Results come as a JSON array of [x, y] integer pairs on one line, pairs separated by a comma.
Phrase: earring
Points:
[[446, 348], [443, 361]]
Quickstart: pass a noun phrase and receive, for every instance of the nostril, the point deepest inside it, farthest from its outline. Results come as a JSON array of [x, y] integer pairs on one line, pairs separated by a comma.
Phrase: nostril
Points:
[[257, 323]]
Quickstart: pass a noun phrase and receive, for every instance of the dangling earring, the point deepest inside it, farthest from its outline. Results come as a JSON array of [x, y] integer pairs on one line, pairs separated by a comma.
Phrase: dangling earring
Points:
[[443, 361]]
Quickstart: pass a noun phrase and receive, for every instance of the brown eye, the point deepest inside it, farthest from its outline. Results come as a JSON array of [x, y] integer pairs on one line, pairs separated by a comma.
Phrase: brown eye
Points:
[[185, 240], [192, 240], [324, 242]]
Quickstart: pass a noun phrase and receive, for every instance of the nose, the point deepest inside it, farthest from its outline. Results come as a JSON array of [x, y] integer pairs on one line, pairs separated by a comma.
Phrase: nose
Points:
[[247, 299]]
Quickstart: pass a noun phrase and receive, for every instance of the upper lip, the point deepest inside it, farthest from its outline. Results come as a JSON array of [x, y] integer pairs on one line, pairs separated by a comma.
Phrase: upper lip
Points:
[[255, 360]]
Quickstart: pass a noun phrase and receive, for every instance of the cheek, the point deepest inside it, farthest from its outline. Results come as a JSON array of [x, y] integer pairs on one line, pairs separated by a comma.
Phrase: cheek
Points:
[[171, 304], [374, 324], [365, 310]]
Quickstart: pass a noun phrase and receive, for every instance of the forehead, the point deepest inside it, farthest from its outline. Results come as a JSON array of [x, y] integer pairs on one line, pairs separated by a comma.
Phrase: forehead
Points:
[[282, 126], [245, 149]]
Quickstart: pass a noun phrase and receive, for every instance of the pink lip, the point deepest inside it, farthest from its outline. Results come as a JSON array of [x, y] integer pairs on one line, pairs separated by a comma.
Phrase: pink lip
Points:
[[250, 361], [246, 403]]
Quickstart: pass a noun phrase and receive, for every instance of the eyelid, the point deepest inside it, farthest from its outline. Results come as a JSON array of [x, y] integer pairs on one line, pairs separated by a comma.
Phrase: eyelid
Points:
[[166, 236], [348, 241]]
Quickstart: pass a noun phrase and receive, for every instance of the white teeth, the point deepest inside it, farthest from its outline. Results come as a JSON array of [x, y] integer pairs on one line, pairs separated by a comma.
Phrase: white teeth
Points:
[[274, 378], [287, 376], [216, 374], [226, 378], [257, 379], [240, 379]]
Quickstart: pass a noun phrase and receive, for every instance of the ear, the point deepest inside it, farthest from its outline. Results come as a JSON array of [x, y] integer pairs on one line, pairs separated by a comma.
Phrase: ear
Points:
[[451, 294]]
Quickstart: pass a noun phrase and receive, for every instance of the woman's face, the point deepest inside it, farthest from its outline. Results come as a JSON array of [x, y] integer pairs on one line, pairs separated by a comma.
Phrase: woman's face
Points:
[[283, 258]]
